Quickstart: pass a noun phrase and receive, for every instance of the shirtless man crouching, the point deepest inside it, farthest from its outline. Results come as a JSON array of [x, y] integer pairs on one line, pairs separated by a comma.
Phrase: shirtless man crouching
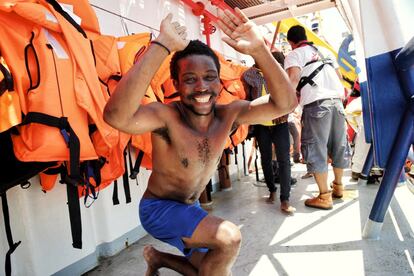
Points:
[[188, 139]]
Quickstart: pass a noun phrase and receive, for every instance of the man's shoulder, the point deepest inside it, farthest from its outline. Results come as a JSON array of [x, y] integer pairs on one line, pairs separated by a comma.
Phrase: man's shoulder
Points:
[[230, 108], [164, 110]]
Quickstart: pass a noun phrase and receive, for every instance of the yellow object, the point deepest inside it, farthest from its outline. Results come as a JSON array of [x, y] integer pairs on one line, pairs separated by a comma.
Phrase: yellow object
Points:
[[268, 123], [285, 26]]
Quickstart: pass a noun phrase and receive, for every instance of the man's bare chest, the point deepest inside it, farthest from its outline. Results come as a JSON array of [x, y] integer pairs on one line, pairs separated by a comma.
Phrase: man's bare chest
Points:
[[200, 151], [192, 149]]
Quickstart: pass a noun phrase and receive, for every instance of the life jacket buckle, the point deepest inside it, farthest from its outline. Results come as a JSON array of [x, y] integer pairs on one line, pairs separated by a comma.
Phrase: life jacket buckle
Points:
[[64, 126]]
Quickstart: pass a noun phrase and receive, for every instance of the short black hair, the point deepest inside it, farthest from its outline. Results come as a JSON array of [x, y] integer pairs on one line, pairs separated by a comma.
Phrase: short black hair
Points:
[[279, 57], [195, 47], [296, 33]]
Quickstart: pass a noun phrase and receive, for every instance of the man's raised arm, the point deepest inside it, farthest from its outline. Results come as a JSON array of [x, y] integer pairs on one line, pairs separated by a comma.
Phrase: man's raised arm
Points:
[[123, 110], [244, 37]]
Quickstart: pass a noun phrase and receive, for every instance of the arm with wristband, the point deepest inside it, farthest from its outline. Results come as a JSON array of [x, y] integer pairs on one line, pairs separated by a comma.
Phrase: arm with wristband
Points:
[[123, 110]]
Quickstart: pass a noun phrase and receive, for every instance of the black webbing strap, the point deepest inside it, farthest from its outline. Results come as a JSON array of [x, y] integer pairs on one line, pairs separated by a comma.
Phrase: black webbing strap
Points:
[[68, 134], [236, 151], [71, 180], [309, 79], [115, 199], [255, 160], [54, 170], [90, 170], [135, 170], [12, 244], [126, 180], [244, 158], [129, 159], [74, 215], [227, 153], [59, 9], [7, 83]]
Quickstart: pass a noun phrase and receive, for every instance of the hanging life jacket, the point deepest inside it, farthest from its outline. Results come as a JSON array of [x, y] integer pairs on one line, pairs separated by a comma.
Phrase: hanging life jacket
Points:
[[51, 59], [10, 113], [130, 50]]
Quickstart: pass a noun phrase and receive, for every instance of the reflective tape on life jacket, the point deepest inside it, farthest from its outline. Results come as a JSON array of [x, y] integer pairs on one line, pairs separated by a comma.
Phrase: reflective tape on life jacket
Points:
[[82, 12]]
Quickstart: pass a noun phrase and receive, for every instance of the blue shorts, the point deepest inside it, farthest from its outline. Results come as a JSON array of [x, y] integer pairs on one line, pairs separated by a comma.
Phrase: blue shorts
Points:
[[170, 221]]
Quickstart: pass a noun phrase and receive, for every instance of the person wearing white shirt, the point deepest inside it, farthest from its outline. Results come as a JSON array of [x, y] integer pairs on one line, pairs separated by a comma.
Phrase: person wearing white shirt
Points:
[[314, 72]]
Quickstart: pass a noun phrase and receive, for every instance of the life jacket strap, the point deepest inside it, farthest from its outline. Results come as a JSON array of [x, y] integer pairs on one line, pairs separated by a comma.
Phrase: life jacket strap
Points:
[[244, 157], [135, 170], [126, 179], [7, 83], [59, 9], [227, 153], [68, 134], [255, 159], [12, 244], [236, 152], [74, 215], [115, 199]]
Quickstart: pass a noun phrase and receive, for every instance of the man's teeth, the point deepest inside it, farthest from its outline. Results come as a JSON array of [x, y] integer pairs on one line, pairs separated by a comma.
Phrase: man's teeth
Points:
[[203, 99]]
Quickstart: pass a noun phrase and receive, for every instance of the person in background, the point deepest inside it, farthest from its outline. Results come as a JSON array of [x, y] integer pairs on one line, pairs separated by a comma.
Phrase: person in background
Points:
[[268, 133], [315, 75], [293, 122], [353, 113]]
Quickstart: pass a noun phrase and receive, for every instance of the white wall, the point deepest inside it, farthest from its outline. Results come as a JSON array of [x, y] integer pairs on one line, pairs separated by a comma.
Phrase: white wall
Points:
[[41, 220]]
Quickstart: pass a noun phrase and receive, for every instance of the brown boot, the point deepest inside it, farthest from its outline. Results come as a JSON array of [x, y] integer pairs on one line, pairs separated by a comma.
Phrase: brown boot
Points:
[[337, 190], [322, 201]]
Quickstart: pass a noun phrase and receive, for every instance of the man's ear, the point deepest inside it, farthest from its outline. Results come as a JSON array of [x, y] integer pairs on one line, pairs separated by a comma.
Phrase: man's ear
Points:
[[175, 83]]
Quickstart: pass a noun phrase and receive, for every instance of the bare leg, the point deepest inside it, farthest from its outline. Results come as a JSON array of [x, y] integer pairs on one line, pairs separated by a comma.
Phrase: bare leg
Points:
[[286, 208], [322, 181], [157, 259], [223, 239], [271, 198], [338, 175]]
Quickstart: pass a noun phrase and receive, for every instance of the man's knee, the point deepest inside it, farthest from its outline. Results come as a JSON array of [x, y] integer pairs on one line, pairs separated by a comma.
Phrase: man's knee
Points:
[[228, 236]]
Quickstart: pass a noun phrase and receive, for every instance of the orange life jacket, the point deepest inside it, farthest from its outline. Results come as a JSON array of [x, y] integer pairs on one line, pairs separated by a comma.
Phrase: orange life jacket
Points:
[[82, 9], [130, 50], [10, 113], [49, 47]]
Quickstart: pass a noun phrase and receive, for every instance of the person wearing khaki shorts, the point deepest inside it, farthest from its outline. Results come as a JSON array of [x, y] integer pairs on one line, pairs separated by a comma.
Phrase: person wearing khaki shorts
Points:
[[314, 72]]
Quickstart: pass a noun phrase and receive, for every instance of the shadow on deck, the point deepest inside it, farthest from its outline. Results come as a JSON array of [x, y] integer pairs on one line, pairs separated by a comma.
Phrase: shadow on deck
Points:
[[312, 242]]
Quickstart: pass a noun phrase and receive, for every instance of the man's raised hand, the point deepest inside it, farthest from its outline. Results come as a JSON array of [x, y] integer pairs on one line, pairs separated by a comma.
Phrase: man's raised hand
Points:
[[243, 34], [172, 34]]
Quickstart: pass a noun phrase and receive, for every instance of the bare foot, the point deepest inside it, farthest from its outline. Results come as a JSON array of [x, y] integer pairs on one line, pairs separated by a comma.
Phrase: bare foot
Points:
[[286, 208], [150, 255], [271, 198], [307, 175]]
